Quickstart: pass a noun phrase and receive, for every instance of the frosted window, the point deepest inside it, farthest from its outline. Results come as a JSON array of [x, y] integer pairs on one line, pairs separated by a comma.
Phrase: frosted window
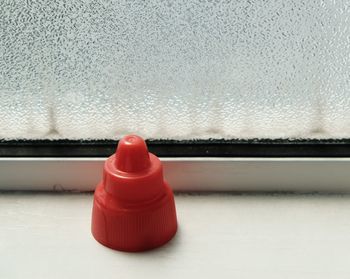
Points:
[[175, 69]]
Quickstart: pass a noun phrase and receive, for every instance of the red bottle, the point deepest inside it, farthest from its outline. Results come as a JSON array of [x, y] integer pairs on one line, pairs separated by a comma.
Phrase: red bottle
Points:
[[134, 207]]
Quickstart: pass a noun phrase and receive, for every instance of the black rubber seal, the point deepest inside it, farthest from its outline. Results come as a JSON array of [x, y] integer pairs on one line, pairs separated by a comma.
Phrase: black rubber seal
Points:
[[182, 148]]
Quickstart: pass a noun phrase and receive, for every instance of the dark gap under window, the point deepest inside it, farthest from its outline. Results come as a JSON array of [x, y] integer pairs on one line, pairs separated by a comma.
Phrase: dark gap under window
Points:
[[182, 148]]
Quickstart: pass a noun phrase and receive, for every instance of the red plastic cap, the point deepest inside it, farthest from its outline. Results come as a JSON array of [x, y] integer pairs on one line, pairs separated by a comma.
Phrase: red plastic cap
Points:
[[134, 208]]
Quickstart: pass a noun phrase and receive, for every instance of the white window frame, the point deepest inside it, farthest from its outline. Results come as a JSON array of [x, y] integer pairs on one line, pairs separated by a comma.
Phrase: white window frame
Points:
[[186, 174]]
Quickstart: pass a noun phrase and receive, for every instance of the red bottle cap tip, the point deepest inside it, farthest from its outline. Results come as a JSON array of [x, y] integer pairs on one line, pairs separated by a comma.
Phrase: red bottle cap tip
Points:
[[132, 154], [134, 208]]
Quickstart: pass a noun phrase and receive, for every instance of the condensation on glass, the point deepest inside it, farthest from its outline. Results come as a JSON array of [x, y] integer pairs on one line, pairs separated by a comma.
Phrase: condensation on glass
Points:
[[174, 69]]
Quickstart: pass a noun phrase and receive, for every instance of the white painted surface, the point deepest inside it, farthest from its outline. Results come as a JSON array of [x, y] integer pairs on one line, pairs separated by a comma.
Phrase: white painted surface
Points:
[[227, 236], [186, 174]]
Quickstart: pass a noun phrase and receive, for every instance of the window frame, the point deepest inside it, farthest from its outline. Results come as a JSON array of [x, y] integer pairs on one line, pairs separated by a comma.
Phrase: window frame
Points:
[[200, 165]]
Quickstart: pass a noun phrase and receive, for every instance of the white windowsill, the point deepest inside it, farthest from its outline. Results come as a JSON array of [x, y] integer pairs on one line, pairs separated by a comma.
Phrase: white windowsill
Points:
[[220, 236]]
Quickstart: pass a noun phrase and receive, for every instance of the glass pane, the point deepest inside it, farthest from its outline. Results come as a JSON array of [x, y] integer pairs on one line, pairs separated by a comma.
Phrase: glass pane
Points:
[[174, 69]]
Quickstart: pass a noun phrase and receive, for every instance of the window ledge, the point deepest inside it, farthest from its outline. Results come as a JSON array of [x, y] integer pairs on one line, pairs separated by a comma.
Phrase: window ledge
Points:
[[254, 236]]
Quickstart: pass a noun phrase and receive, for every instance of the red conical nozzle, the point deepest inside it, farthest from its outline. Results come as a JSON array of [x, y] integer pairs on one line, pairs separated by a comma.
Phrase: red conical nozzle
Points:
[[132, 154], [134, 208]]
